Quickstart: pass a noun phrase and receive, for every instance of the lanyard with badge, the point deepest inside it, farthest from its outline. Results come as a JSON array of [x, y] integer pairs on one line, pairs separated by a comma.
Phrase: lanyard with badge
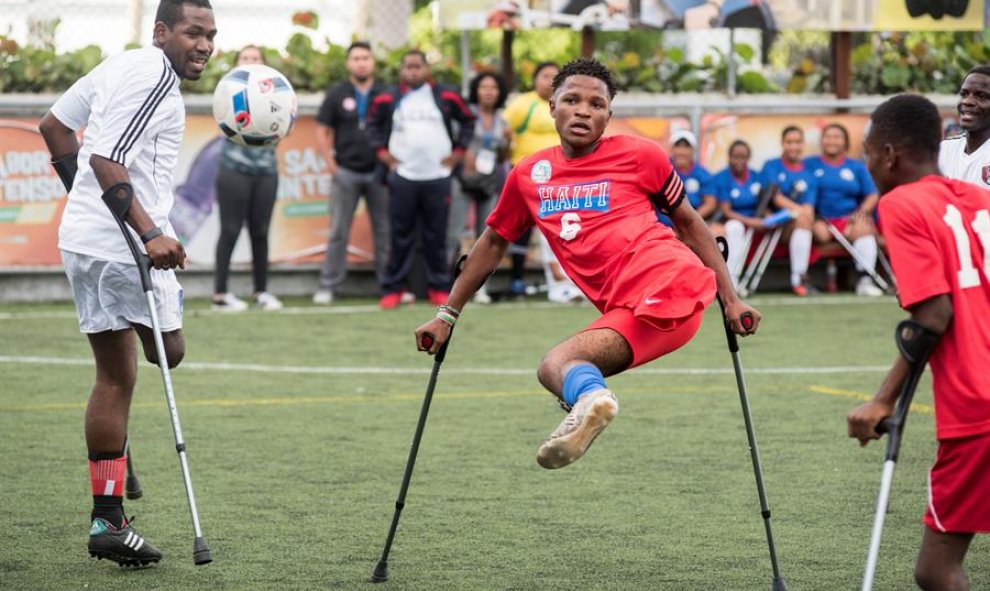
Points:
[[484, 162], [362, 106]]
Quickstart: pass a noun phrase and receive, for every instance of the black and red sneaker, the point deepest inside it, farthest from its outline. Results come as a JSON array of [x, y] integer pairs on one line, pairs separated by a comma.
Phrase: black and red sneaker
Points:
[[123, 545]]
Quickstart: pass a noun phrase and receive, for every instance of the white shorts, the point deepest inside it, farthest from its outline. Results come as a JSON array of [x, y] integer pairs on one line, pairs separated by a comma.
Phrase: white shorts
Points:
[[109, 297]]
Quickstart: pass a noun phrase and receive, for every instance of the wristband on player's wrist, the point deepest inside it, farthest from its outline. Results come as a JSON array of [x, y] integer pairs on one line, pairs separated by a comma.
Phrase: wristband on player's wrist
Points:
[[447, 317], [151, 235]]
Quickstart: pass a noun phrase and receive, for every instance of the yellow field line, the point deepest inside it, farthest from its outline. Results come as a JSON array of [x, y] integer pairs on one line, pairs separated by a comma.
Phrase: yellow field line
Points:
[[915, 406]]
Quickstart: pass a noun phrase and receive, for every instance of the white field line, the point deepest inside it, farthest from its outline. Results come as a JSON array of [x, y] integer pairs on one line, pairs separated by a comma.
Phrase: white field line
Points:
[[758, 301], [494, 371]]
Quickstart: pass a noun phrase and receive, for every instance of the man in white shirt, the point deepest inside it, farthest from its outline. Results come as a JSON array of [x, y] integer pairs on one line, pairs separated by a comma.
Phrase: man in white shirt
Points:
[[411, 127], [967, 156], [134, 119]]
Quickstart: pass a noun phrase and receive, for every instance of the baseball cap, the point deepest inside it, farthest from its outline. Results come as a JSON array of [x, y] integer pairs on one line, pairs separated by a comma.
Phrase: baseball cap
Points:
[[686, 135]]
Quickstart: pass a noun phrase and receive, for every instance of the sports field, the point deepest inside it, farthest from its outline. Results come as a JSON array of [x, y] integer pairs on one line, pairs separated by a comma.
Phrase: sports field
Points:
[[298, 425]]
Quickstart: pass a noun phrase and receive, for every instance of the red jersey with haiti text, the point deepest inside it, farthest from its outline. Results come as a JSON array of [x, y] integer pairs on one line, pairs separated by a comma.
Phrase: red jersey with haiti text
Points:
[[938, 233], [596, 213]]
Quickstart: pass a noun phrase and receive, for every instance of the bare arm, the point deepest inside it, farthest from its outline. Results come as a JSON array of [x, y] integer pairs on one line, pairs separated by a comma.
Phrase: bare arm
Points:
[[481, 262], [692, 231], [731, 214], [165, 252], [324, 141], [934, 314], [61, 140], [708, 205]]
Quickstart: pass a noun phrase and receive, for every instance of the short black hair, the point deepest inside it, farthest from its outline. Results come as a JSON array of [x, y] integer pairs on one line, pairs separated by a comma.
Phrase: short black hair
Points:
[[586, 67], [417, 52], [358, 45], [737, 143], [503, 90], [789, 129], [985, 70], [170, 11], [909, 122], [842, 129]]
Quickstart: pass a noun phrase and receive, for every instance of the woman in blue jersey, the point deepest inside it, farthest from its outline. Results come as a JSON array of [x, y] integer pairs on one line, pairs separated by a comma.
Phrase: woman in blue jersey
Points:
[[797, 191], [847, 199], [737, 188], [698, 185]]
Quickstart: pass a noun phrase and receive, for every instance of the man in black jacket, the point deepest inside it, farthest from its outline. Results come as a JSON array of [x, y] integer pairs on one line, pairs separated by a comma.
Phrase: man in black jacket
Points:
[[412, 129], [352, 163]]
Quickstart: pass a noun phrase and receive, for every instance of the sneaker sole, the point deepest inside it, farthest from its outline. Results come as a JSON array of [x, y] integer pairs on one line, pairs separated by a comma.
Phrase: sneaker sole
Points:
[[565, 450], [123, 561]]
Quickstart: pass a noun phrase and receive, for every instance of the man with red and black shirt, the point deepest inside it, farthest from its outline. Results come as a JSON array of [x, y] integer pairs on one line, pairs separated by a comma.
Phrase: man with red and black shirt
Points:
[[938, 234], [411, 127], [594, 200]]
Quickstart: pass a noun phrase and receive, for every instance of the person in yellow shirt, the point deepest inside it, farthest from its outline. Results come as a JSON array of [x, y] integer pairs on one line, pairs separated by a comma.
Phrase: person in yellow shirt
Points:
[[533, 129], [528, 116]]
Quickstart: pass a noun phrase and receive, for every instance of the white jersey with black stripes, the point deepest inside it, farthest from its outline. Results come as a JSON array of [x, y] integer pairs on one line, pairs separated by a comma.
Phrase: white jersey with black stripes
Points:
[[133, 114]]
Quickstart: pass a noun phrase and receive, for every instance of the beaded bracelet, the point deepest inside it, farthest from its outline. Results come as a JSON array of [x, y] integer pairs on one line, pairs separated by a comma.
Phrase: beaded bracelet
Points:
[[447, 317], [451, 310]]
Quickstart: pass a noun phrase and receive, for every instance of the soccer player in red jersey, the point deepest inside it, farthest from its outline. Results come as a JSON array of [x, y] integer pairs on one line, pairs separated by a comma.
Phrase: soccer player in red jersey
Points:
[[594, 198], [938, 232]]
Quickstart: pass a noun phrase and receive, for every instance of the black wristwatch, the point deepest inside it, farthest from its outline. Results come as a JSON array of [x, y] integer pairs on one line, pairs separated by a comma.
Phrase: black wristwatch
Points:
[[151, 235]]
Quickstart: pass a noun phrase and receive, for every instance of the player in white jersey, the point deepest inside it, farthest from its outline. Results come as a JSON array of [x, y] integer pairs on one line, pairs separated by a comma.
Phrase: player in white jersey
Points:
[[134, 118], [967, 157]]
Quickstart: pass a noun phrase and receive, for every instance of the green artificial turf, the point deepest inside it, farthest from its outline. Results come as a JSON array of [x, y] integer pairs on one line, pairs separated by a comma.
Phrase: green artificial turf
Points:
[[298, 425]]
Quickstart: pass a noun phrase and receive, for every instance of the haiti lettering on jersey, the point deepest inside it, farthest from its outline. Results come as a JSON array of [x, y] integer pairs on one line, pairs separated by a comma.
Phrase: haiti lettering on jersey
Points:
[[554, 199]]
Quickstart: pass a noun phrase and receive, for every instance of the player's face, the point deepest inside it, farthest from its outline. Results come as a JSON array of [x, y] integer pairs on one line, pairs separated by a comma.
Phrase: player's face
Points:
[[873, 154], [833, 142], [487, 92], [683, 156], [414, 71], [581, 109], [543, 83], [739, 160], [793, 146], [974, 103], [189, 44], [360, 64]]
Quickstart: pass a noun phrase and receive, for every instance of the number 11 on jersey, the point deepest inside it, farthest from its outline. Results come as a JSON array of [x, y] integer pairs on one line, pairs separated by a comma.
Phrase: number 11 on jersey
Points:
[[968, 275]]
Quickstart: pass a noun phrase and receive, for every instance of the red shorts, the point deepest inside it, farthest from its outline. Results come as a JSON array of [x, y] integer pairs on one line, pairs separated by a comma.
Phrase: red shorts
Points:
[[646, 340], [840, 224], [959, 486]]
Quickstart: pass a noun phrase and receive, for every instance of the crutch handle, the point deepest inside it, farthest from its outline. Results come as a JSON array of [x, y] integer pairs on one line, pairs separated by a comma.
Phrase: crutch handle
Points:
[[885, 426], [428, 339], [747, 320]]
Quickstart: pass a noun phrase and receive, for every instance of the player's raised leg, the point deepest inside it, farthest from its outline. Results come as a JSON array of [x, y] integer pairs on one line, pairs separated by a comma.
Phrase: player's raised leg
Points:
[[575, 371]]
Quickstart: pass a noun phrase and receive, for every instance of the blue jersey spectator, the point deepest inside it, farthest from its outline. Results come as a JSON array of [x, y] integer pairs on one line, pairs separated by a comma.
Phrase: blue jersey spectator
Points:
[[697, 180], [843, 184], [847, 198], [738, 189], [738, 186], [797, 192]]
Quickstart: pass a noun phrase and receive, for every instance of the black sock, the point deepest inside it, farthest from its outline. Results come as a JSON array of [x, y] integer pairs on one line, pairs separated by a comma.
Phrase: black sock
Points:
[[110, 509]]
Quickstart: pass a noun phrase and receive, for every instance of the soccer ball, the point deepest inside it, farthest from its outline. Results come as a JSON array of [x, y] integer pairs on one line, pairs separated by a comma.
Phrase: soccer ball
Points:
[[254, 105]]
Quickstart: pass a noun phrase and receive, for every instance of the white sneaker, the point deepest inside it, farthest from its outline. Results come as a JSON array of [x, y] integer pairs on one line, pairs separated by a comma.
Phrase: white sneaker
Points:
[[866, 287], [229, 303], [323, 297], [481, 296], [267, 302], [407, 297], [589, 417]]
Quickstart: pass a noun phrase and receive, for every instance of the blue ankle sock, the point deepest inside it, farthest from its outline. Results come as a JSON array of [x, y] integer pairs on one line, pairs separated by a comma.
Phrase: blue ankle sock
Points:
[[580, 380]]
